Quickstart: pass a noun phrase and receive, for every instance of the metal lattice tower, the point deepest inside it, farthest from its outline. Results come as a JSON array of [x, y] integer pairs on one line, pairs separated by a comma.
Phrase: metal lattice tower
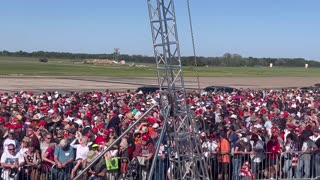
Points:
[[116, 54], [186, 159]]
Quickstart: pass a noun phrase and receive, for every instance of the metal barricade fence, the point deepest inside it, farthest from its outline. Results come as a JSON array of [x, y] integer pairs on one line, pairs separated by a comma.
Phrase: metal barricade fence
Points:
[[287, 165], [26, 172], [300, 165], [244, 166], [60, 173]]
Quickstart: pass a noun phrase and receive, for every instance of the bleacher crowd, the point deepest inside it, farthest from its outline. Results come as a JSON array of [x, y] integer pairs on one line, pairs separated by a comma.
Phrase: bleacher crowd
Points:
[[246, 134]]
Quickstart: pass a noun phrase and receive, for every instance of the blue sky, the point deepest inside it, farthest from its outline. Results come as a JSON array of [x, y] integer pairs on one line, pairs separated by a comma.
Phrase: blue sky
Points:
[[258, 28]]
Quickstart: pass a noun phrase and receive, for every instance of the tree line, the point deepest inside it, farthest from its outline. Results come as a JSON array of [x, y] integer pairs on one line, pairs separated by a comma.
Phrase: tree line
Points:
[[228, 59]]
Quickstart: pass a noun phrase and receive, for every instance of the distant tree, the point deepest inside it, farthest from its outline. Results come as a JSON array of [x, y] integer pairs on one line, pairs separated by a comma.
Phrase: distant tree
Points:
[[227, 59], [227, 56]]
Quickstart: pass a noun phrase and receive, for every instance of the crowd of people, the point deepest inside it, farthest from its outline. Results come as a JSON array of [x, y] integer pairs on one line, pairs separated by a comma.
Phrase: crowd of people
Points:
[[248, 133]]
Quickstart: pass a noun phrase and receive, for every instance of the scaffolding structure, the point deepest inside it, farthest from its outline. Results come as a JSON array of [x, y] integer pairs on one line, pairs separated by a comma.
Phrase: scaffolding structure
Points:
[[185, 158]]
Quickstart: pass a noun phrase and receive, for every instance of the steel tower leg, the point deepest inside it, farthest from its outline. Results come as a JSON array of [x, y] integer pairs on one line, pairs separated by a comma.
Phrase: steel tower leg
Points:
[[186, 158]]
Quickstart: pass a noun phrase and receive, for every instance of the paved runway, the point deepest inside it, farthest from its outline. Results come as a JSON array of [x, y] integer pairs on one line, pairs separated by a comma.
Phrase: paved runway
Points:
[[40, 84]]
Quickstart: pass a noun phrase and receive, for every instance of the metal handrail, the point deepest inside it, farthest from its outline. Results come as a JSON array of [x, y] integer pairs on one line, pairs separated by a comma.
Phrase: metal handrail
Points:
[[113, 143], [163, 131]]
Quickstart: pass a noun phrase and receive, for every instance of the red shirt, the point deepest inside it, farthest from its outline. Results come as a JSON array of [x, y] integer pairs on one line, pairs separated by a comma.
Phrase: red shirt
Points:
[[141, 149], [273, 148]]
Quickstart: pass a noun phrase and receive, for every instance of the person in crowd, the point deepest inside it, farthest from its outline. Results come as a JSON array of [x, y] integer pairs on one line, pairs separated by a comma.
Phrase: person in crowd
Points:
[[307, 146], [45, 143], [238, 157], [124, 156], [161, 155], [32, 159], [144, 153], [12, 163], [112, 162], [273, 156], [257, 154], [223, 150], [82, 150], [47, 160], [32, 135], [317, 156], [98, 170], [264, 112], [25, 145], [290, 149], [63, 157], [11, 140]]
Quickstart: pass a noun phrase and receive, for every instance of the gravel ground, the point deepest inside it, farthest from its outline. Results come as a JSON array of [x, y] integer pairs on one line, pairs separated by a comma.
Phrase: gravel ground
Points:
[[65, 84]]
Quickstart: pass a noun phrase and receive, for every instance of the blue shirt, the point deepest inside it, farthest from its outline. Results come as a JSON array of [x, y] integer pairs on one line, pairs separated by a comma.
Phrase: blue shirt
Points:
[[63, 155]]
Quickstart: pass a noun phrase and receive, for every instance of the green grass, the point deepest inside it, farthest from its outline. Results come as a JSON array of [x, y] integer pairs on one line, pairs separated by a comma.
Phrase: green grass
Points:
[[65, 67]]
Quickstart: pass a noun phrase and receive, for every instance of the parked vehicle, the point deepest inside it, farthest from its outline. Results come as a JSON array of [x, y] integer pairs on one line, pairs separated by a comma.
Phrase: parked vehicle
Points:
[[219, 88], [148, 89]]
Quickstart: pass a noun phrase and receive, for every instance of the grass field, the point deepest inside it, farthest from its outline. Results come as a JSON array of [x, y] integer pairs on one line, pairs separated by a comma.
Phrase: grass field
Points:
[[65, 67]]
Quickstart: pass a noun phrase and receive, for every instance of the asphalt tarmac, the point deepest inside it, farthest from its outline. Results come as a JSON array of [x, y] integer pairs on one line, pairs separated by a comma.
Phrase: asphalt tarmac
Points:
[[65, 84]]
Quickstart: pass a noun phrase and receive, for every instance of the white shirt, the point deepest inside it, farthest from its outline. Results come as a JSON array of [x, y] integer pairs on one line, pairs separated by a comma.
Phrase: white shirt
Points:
[[258, 147], [23, 150], [211, 146], [314, 138], [82, 151], [11, 159]]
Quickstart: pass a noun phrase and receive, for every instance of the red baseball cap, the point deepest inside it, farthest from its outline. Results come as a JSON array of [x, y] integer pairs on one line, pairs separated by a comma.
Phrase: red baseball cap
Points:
[[100, 139], [106, 131], [145, 137], [101, 125]]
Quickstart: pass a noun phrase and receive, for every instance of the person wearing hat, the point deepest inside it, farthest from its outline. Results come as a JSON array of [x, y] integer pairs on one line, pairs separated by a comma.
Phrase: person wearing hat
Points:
[[155, 133], [273, 149], [63, 157], [258, 150], [2, 128], [71, 134], [11, 162], [11, 139], [144, 153], [290, 158], [98, 170]]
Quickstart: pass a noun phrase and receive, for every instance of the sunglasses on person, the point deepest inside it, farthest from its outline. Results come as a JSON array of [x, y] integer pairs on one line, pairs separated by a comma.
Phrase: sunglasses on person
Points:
[[11, 149]]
